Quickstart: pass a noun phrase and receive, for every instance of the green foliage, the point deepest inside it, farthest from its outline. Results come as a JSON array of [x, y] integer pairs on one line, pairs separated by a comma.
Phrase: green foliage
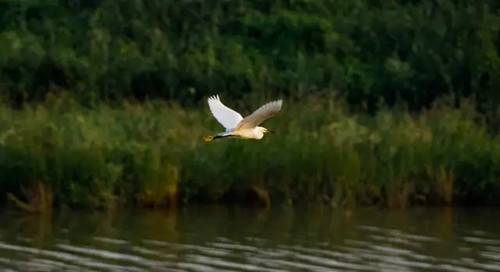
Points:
[[88, 156], [139, 154], [414, 51]]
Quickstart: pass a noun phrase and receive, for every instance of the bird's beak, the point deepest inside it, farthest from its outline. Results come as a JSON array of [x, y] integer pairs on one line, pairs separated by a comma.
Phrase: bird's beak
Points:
[[270, 131]]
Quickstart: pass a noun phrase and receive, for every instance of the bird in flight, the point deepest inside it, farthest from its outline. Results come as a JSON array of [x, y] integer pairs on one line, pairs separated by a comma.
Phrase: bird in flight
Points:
[[236, 125]]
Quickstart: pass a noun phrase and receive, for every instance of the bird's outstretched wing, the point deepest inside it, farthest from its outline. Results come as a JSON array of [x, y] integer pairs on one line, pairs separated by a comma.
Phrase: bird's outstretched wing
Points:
[[227, 117], [261, 114]]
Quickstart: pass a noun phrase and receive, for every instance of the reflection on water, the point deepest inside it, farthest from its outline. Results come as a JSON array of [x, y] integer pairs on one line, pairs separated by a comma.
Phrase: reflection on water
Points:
[[222, 238]]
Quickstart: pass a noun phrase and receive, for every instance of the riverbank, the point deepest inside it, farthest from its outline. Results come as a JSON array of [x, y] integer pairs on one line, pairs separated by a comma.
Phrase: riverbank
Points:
[[60, 153]]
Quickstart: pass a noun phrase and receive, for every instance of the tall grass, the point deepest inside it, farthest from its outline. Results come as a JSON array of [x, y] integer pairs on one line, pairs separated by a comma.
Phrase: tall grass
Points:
[[151, 154]]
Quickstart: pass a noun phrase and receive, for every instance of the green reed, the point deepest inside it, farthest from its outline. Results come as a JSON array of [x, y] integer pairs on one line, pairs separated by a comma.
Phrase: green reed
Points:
[[151, 154]]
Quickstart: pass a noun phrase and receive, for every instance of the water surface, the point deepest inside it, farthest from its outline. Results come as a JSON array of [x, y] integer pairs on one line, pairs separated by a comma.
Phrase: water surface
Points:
[[229, 238]]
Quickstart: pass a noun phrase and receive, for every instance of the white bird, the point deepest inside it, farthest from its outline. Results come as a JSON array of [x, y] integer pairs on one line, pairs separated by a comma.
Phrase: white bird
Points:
[[236, 125]]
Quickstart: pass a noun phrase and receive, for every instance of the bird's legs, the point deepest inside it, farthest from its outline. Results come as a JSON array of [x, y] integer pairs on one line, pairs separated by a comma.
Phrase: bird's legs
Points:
[[210, 138]]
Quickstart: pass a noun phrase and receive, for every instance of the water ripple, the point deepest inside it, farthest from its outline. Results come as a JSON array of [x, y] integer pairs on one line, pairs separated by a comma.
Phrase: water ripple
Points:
[[266, 246]]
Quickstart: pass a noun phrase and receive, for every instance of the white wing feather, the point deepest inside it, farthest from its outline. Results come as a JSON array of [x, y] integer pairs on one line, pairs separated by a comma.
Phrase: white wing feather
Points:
[[227, 117], [261, 114]]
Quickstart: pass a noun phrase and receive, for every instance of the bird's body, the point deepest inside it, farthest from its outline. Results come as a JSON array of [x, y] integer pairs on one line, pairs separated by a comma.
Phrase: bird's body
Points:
[[236, 125]]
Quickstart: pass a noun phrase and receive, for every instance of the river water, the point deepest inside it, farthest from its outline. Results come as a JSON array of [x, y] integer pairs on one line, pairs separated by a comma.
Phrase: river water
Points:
[[234, 238]]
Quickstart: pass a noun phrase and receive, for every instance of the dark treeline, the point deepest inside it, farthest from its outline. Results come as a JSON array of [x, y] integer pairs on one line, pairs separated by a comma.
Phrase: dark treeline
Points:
[[411, 51]]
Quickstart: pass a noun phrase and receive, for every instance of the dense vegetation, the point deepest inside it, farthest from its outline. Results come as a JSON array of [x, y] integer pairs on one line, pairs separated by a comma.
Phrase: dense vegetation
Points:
[[152, 153], [70, 135], [411, 50]]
